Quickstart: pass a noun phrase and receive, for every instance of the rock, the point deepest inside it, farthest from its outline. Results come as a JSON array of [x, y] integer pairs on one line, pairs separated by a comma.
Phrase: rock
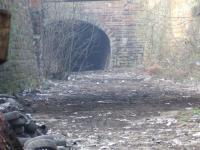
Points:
[[158, 141], [196, 134], [188, 108], [104, 148], [195, 118], [177, 142]]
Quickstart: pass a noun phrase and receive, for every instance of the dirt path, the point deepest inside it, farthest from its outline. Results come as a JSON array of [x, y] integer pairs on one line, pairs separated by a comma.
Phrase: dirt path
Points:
[[122, 111]]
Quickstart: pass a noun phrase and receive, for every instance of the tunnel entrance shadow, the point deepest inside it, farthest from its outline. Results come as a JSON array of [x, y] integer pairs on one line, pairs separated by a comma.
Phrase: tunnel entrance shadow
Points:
[[94, 44], [75, 46]]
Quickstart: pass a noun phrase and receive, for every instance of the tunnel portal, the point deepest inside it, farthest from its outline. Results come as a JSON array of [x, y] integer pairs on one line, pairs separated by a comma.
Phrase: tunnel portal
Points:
[[93, 47], [75, 46]]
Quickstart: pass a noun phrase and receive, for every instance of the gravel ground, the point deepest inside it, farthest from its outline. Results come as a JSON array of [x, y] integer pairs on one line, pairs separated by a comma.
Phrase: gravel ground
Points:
[[121, 110]]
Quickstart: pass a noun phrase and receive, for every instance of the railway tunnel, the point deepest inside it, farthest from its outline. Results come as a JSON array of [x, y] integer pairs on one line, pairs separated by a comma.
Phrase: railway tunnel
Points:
[[75, 46], [131, 108]]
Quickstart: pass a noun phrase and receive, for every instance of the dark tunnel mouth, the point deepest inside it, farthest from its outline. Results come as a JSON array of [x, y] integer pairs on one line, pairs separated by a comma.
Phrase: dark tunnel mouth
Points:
[[89, 41], [98, 50]]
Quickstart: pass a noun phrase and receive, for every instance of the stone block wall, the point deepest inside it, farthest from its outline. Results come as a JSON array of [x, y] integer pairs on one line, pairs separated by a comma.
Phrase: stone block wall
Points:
[[20, 71]]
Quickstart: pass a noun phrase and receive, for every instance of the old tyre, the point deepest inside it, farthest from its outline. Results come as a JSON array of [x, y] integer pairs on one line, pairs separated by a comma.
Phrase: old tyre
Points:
[[18, 122], [19, 130], [48, 137], [31, 127], [41, 144], [12, 115], [61, 148], [60, 142], [51, 137], [42, 129], [23, 140]]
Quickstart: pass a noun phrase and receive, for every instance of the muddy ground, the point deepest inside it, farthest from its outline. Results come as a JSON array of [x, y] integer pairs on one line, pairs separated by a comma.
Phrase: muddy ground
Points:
[[121, 110]]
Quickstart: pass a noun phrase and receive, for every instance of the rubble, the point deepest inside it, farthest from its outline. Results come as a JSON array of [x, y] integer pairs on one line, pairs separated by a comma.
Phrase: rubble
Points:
[[30, 134], [8, 140], [9, 103], [122, 111], [196, 134], [26, 133]]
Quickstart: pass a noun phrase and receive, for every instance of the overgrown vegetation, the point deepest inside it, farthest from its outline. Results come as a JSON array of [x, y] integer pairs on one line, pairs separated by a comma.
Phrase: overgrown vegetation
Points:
[[171, 35], [66, 44], [173, 39]]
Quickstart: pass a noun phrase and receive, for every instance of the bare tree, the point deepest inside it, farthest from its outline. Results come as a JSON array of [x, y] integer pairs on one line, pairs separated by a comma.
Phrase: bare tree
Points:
[[62, 51]]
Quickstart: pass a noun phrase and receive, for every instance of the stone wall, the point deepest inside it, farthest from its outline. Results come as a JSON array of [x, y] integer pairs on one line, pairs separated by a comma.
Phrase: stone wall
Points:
[[20, 71], [149, 32], [118, 19]]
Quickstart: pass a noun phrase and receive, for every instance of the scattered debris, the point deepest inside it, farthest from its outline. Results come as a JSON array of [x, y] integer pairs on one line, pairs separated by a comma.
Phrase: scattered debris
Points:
[[196, 134], [9, 103], [125, 109], [26, 133], [177, 142]]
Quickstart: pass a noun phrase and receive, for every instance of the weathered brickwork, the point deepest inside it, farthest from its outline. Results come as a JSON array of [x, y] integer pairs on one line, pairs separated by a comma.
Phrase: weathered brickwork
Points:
[[118, 19], [20, 71], [140, 31]]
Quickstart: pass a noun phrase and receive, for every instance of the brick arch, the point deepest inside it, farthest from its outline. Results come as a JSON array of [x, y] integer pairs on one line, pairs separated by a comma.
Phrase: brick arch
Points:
[[110, 34], [106, 30]]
